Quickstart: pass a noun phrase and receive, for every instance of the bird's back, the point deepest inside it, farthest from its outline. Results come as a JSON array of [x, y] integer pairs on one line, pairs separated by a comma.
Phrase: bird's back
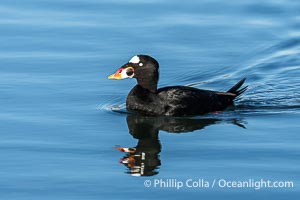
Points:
[[183, 100]]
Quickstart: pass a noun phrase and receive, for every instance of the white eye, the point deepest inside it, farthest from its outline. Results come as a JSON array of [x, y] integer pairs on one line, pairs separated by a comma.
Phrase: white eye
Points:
[[135, 60], [141, 64], [127, 73]]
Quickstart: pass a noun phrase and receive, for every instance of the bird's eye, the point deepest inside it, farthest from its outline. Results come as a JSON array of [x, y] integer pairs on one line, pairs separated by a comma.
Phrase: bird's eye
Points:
[[129, 72]]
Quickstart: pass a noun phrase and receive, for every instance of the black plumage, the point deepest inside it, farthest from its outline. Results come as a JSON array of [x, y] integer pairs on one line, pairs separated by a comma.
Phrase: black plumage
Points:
[[145, 98]]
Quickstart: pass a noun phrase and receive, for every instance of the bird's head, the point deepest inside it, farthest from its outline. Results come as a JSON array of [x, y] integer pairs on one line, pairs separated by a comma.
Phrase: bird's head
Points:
[[142, 67]]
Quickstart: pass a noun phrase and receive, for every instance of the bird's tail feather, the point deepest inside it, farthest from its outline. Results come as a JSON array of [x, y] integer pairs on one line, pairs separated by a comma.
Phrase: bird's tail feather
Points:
[[236, 88]]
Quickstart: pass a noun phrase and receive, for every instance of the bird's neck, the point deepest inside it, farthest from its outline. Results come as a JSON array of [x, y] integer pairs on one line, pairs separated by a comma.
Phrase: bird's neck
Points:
[[148, 78], [151, 86]]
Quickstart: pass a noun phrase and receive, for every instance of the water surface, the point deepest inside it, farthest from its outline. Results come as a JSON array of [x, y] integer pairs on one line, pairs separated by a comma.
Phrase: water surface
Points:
[[59, 136]]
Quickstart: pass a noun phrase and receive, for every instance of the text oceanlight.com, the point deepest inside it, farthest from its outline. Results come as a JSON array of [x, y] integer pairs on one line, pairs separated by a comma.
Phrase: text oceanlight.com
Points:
[[218, 183]]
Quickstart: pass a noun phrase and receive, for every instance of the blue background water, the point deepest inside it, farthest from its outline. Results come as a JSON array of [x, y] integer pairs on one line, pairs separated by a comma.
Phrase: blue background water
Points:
[[58, 133]]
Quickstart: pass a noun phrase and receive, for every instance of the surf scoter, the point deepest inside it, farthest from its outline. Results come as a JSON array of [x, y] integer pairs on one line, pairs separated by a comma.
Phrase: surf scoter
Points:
[[145, 98]]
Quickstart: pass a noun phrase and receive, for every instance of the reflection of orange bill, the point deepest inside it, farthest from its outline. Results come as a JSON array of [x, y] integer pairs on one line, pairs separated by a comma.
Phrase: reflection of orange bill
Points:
[[127, 150]]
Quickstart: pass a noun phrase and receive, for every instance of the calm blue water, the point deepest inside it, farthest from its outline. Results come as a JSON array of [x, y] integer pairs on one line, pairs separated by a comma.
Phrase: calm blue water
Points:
[[59, 136]]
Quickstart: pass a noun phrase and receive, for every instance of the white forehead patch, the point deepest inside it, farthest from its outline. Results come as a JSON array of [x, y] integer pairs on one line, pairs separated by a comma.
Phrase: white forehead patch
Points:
[[134, 59]]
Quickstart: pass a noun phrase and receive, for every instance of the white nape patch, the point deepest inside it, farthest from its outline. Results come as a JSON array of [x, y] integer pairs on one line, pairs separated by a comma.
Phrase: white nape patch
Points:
[[135, 60]]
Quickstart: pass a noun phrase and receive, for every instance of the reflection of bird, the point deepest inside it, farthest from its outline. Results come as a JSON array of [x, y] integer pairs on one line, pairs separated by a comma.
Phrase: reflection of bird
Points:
[[170, 101], [143, 159]]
